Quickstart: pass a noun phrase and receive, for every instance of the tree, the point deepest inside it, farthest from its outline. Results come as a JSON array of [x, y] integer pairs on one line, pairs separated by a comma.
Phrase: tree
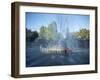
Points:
[[31, 35], [52, 31], [28, 34], [49, 32], [42, 33], [82, 34], [34, 35]]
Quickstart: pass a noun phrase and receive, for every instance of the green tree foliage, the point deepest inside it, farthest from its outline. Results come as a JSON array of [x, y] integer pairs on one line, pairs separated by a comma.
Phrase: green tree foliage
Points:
[[28, 34], [83, 34], [52, 31], [49, 32], [31, 36], [34, 35], [42, 33], [45, 33]]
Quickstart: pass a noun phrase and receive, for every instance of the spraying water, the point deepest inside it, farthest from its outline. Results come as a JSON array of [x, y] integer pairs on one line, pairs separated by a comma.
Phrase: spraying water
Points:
[[66, 42]]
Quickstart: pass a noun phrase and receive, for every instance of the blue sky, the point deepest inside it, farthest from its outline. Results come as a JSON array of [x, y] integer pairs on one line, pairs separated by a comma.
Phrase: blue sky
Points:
[[74, 22]]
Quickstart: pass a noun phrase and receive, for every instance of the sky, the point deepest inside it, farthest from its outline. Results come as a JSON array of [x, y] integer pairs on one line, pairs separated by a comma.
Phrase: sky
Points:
[[74, 22]]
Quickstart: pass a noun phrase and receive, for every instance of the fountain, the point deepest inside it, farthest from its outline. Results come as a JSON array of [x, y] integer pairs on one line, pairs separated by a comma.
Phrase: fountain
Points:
[[66, 44]]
